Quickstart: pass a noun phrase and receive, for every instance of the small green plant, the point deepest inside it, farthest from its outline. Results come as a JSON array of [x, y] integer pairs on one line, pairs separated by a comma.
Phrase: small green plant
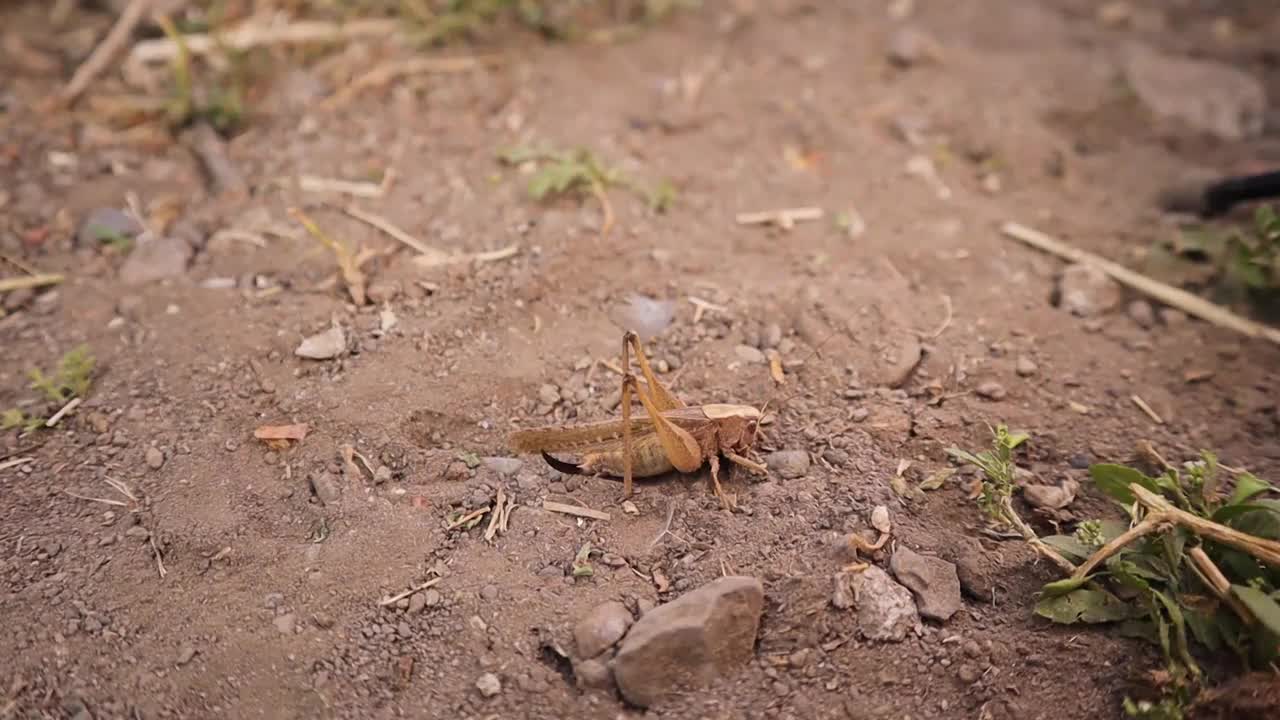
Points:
[[995, 496], [1252, 257], [222, 105], [998, 467], [71, 380], [579, 170], [1193, 564], [1194, 568]]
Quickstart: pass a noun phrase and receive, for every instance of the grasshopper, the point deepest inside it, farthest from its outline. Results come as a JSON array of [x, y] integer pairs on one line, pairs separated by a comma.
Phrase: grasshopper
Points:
[[670, 435]]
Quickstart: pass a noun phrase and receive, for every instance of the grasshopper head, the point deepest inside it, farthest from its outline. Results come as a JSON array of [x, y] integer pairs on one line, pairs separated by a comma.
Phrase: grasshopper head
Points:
[[737, 424]]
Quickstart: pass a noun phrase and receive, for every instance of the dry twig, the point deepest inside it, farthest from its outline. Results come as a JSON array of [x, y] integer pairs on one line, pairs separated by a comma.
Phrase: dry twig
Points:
[[354, 188], [574, 510], [415, 589], [1167, 294], [1162, 513], [253, 33], [785, 218], [97, 62], [72, 405], [388, 71], [31, 281], [1144, 407]]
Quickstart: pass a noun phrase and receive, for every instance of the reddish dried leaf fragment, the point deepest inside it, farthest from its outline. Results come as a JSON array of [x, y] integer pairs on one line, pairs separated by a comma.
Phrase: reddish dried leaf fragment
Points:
[[281, 432]]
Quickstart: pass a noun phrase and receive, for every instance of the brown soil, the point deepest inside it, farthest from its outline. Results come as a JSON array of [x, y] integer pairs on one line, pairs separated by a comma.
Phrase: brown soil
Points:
[[92, 627]]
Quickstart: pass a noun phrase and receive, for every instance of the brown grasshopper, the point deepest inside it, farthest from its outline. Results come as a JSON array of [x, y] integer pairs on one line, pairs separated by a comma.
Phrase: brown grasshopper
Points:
[[669, 436]]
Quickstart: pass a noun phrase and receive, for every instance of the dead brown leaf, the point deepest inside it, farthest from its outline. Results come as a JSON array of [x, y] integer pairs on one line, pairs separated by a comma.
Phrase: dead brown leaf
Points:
[[281, 432]]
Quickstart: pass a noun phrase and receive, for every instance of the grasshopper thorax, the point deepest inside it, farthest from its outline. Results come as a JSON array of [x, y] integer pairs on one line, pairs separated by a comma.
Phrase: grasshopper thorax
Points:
[[735, 425]]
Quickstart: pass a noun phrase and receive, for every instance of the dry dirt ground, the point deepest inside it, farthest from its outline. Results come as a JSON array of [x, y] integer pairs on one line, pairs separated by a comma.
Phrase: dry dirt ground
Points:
[[269, 601]]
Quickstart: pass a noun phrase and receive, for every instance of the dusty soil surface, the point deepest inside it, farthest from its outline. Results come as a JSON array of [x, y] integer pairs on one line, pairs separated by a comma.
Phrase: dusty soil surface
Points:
[[269, 600]]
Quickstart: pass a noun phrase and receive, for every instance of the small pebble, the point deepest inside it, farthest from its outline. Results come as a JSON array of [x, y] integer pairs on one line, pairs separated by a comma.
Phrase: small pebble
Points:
[[286, 624], [489, 685], [991, 390], [1141, 313], [186, 654], [489, 592], [154, 458], [749, 355], [1026, 367]]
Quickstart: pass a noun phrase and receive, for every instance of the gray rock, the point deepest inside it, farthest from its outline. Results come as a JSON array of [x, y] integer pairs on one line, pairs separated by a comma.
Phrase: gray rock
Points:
[[286, 623], [688, 642], [155, 259], [991, 390], [1087, 291], [138, 532], [932, 580], [432, 598], [789, 464], [593, 673], [1026, 367], [105, 225], [645, 315], [548, 394], [886, 610], [186, 654], [154, 458], [909, 46], [503, 465], [417, 602], [599, 629], [489, 685], [323, 345], [901, 360], [980, 577], [326, 487], [1207, 96], [1141, 313], [749, 355], [771, 336]]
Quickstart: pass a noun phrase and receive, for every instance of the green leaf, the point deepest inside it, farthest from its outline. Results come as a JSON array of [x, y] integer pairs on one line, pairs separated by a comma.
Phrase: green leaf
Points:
[[1112, 529], [1263, 523], [1069, 546], [1064, 586], [1263, 606], [1180, 629], [1248, 486], [1114, 481], [937, 480], [1227, 512], [1083, 605], [1204, 629]]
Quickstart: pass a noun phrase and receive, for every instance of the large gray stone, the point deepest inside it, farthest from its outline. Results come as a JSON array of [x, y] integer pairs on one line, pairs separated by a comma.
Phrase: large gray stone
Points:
[[886, 610], [1207, 96], [932, 580], [688, 642], [599, 629]]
